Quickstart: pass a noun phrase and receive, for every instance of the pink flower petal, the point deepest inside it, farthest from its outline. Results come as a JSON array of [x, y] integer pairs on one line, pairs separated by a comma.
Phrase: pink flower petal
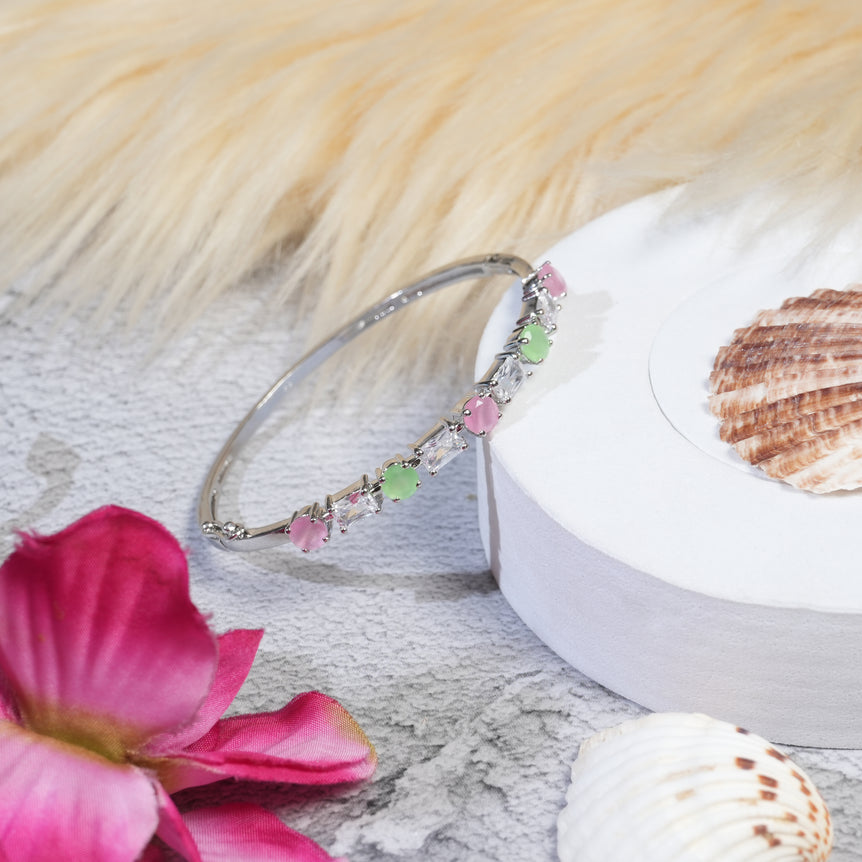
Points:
[[172, 830], [236, 650], [8, 710], [99, 639], [239, 831], [312, 740], [62, 802]]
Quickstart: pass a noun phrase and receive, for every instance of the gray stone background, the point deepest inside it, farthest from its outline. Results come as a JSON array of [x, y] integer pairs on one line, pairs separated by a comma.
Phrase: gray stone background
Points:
[[475, 721]]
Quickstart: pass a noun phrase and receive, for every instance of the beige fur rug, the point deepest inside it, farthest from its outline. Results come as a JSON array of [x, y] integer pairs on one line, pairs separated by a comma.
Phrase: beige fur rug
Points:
[[154, 154]]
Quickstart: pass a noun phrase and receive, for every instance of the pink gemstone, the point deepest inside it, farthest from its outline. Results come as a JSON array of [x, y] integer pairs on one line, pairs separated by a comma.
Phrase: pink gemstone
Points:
[[308, 535], [484, 414], [552, 281]]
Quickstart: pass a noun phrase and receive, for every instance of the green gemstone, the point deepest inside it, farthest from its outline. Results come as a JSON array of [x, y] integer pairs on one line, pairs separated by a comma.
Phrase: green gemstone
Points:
[[400, 481], [538, 344]]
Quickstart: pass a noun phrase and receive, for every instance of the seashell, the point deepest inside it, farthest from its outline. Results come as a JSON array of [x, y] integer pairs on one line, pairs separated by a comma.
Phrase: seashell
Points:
[[788, 391], [680, 787]]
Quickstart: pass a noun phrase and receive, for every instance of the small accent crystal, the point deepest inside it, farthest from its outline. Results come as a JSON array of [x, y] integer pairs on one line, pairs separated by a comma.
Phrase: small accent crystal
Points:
[[232, 530]]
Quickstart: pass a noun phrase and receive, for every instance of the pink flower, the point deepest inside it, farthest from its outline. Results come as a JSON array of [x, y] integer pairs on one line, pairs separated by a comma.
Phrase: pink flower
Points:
[[112, 689]]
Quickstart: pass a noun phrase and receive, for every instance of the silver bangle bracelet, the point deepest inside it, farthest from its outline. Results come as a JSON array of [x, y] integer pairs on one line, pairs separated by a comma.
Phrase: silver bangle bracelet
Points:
[[477, 413]]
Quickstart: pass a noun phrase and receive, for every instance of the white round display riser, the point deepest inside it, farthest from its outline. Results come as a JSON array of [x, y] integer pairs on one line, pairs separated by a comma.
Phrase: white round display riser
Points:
[[627, 536]]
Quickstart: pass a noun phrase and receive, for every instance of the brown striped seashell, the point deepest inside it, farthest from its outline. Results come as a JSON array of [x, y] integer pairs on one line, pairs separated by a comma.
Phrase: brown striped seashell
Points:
[[688, 788], [788, 391]]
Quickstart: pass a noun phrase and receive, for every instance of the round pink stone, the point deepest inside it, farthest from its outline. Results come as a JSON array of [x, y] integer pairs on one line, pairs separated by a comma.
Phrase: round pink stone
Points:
[[553, 282], [484, 414], [308, 535]]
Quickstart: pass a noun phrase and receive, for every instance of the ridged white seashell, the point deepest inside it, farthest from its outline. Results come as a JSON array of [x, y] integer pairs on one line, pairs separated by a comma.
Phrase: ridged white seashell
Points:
[[788, 391], [680, 787]]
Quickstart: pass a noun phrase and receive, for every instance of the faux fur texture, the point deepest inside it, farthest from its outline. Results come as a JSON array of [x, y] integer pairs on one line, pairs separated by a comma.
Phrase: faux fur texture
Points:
[[155, 152]]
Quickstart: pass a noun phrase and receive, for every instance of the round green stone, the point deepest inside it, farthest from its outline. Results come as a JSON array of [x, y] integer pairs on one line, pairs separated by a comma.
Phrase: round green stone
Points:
[[538, 344], [400, 481]]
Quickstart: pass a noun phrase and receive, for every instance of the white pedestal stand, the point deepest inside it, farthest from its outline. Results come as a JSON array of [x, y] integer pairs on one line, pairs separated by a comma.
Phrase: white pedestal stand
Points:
[[634, 542]]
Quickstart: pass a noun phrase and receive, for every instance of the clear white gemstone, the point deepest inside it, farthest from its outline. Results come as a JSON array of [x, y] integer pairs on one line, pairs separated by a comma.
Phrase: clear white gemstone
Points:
[[547, 309], [354, 507], [441, 447], [507, 380]]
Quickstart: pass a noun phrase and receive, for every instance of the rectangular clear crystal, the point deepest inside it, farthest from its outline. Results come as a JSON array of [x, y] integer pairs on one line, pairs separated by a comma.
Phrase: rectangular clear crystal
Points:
[[440, 446], [507, 380], [355, 504]]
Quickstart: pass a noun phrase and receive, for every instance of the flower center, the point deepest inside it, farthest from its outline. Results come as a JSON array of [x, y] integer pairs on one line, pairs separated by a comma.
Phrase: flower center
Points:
[[96, 734]]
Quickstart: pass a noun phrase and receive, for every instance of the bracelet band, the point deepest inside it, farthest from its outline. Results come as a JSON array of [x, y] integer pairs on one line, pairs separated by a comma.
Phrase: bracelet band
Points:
[[477, 413]]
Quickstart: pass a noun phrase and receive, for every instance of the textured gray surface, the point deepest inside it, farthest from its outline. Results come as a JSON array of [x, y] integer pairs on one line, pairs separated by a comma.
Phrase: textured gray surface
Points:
[[476, 723]]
